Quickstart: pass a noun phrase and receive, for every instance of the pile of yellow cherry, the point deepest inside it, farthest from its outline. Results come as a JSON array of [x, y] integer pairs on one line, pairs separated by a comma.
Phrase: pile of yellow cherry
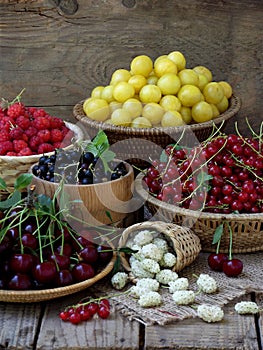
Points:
[[158, 93]]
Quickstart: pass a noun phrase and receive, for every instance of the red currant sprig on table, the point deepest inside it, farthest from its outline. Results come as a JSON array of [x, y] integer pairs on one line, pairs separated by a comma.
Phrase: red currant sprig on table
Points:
[[84, 311]]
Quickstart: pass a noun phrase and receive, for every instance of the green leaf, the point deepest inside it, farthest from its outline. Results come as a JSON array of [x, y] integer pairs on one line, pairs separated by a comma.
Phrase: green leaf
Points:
[[92, 149], [203, 177], [163, 157], [23, 181], [109, 215], [218, 233], [127, 250], [45, 202], [100, 139], [3, 185], [12, 200], [117, 265]]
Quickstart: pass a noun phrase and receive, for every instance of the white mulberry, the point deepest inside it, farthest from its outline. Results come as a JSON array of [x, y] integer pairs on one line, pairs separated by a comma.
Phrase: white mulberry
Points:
[[210, 313], [184, 297]]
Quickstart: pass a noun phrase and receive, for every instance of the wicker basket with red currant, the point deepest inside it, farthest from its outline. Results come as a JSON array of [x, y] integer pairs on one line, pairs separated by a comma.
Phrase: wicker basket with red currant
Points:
[[216, 183]]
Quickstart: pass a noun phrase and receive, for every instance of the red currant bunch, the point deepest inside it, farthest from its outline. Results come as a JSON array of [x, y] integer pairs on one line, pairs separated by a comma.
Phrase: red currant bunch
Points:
[[223, 174], [84, 311]]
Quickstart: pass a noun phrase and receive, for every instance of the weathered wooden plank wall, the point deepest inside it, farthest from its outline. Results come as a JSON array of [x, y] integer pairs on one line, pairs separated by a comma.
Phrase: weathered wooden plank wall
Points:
[[60, 49]]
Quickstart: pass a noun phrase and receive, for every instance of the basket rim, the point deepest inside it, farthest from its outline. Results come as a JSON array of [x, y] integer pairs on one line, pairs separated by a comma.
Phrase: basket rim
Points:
[[188, 212], [52, 293], [235, 104], [73, 127]]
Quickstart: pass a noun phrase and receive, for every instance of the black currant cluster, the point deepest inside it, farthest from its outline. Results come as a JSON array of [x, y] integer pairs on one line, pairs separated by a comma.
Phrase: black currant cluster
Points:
[[77, 167]]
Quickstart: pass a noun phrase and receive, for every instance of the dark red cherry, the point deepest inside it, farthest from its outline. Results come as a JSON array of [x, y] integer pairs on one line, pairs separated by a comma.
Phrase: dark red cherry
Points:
[[21, 263], [105, 254], [63, 278], [63, 261], [82, 272], [216, 260], [29, 241], [233, 267], [12, 233], [45, 272], [89, 254], [65, 249], [20, 282]]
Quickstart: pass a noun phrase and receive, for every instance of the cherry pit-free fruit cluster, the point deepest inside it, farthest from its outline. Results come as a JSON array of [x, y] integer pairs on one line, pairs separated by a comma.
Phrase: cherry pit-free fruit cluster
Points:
[[26, 131], [160, 92]]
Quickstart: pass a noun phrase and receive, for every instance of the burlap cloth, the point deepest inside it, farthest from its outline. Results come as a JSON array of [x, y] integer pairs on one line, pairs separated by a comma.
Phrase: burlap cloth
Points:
[[251, 280]]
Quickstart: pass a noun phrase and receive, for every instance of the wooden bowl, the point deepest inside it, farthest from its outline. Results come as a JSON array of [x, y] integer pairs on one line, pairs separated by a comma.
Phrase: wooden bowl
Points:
[[136, 145], [94, 202], [247, 228]]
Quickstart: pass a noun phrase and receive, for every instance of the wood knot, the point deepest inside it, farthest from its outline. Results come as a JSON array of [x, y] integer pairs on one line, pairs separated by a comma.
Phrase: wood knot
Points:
[[68, 7], [129, 3]]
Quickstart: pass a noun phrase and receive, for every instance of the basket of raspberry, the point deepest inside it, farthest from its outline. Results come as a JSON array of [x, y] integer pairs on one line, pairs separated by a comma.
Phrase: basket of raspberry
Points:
[[99, 186], [215, 188], [148, 106], [156, 246], [25, 134], [42, 256]]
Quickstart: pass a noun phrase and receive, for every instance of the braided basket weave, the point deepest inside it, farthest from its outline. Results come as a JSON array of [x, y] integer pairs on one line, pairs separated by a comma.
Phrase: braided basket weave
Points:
[[185, 244], [247, 228], [138, 152], [12, 167]]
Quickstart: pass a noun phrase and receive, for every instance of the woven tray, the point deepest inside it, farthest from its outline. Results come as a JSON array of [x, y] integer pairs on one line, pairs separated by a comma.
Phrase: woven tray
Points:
[[138, 152], [247, 228], [12, 167], [183, 241], [31, 296]]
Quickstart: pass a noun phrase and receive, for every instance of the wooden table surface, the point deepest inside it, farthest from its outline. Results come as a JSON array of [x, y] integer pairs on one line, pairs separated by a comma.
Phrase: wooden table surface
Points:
[[37, 326]]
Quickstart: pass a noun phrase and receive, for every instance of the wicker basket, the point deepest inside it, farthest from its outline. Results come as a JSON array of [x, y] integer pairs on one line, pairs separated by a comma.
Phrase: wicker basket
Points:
[[32, 296], [183, 241], [138, 144], [247, 228], [12, 167]]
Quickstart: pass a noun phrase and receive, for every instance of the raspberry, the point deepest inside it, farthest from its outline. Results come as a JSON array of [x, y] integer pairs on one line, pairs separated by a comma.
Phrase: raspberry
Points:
[[11, 154], [56, 123], [25, 152], [15, 110], [57, 145], [56, 135], [6, 146], [19, 145], [44, 135], [41, 123], [34, 142], [39, 112], [31, 131], [6, 122], [31, 110], [45, 148], [4, 135], [23, 122], [16, 133]]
